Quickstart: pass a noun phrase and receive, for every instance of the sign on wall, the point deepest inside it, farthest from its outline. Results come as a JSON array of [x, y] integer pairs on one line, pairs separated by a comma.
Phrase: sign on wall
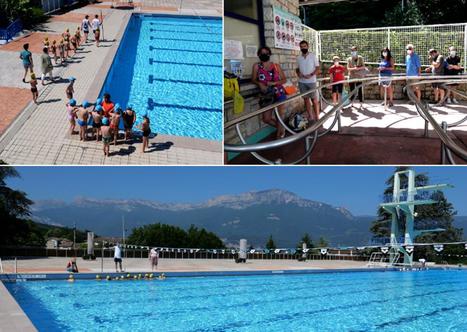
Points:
[[287, 30]]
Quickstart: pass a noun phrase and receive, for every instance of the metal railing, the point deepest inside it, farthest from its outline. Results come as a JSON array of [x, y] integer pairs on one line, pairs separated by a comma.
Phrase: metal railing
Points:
[[11, 31], [311, 134]]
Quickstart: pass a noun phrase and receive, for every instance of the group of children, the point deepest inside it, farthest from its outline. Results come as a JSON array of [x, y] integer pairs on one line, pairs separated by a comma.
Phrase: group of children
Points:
[[105, 119]]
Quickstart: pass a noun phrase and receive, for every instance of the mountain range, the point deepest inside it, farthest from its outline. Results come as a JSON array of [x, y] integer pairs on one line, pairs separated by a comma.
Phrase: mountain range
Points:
[[250, 215]]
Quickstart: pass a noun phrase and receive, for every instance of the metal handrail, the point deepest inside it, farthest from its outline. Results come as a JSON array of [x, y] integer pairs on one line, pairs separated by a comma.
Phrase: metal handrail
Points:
[[442, 133], [297, 136]]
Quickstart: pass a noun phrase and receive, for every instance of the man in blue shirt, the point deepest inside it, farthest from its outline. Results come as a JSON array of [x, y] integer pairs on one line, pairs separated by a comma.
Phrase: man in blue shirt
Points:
[[26, 56], [413, 67]]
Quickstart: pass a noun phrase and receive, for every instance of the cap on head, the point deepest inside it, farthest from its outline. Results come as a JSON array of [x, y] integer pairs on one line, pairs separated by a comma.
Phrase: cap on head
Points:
[[33, 76], [432, 50], [98, 101], [86, 104], [105, 122], [409, 47], [118, 107], [335, 58], [71, 79], [72, 102], [354, 48], [99, 108]]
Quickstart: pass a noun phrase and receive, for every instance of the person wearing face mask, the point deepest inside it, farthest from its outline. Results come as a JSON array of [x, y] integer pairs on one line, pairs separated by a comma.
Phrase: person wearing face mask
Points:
[[356, 68], [337, 73], [386, 67], [437, 68], [413, 67], [453, 68], [307, 69], [269, 77]]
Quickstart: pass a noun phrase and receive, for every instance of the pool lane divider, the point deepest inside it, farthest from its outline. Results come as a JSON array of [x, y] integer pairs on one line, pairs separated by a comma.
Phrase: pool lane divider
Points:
[[164, 23], [195, 32], [152, 104], [152, 61], [151, 80], [187, 40], [152, 48]]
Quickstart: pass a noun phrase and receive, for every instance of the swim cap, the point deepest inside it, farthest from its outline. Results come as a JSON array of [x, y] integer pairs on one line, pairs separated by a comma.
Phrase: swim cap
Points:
[[72, 102], [33, 76], [86, 104], [99, 108], [117, 106], [98, 101], [71, 79], [105, 121]]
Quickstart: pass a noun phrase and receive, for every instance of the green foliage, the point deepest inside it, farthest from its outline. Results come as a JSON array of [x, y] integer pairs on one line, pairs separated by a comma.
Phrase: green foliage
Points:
[[322, 243], [270, 244], [411, 15], [30, 12], [305, 239], [171, 236]]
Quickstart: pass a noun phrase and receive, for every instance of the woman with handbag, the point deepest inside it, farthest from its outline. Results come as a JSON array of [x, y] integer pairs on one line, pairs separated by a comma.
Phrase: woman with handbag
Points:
[[269, 77]]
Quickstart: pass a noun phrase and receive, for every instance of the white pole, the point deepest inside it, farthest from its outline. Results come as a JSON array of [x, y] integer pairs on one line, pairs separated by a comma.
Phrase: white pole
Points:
[[465, 46]]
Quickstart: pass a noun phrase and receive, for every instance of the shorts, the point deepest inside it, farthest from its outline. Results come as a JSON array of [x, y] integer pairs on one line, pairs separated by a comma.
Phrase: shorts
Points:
[[304, 87], [385, 81], [27, 66], [106, 139], [33, 89], [117, 260], [96, 125], [337, 88], [146, 133], [437, 85]]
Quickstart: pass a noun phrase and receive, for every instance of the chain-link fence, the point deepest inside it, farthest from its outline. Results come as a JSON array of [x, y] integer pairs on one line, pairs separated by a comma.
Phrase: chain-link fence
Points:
[[370, 41]]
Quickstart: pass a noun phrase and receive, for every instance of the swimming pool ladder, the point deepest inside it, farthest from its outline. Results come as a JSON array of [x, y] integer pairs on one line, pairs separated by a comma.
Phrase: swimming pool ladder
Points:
[[377, 259]]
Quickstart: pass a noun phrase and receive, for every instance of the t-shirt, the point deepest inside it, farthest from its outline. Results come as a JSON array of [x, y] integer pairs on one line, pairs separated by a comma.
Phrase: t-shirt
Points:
[[455, 60], [337, 72], [154, 253], [85, 24], [412, 64], [356, 62], [440, 69], [118, 252], [307, 64], [107, 107], [46, 63], [25, 57], [95, 24]]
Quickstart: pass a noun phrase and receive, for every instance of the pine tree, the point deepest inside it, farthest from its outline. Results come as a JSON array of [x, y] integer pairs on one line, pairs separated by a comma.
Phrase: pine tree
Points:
[[305, 239], [270, 244]]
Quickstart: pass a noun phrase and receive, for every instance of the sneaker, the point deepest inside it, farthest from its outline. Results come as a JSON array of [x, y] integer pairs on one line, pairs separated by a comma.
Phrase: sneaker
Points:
[[448, 101], [454, 101]]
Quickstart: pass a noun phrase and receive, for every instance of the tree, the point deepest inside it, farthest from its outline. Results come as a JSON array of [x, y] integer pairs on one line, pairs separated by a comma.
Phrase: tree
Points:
[[29, 11], [397, 16], [270, 244], [438, 215], [322, 243], [305, 239]]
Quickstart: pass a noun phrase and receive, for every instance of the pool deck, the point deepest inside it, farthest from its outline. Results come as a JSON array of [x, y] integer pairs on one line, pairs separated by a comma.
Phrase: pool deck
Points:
[[38, 135]]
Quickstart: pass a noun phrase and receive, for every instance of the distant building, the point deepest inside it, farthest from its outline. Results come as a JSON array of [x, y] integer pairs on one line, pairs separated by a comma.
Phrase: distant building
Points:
[[55, 242]]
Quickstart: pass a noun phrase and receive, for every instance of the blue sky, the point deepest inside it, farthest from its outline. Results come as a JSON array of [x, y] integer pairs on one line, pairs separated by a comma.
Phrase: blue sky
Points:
[[358, 189]]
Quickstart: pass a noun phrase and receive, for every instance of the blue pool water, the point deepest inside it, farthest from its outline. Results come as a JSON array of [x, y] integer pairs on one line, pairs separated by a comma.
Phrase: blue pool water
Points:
[[368, 301], [171, 68]]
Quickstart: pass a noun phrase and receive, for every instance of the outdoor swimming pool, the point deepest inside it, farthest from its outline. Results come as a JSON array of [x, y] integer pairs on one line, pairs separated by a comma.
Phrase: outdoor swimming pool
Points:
[[171, 69], [434, 300]]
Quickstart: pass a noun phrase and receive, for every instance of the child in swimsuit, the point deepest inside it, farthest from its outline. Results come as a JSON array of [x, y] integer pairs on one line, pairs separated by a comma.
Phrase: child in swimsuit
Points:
[[97, 121], [66, 39], [53, 49], [115, 121], [74, 42], [34, 91], [83, 116], [46, 42], [78, 36], [61, 48], [71, 111], [70, 90], [106, 136], [145, 127], [129, 118]]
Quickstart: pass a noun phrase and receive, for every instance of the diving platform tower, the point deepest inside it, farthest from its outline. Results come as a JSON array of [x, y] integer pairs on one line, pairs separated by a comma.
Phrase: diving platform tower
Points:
[[402, 210]]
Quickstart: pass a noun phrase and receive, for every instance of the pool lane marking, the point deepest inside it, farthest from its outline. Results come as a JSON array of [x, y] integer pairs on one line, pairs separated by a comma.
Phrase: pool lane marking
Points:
[[152, 79], [152, 48], [187, 40], [152, 104], [187, 25], [152, 61], [195, 32]]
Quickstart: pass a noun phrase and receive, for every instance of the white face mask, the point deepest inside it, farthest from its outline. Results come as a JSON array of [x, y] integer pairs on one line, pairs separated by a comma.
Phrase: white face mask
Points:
[[336, 63], [452, 53], [354, 54], [385, 54], [409, 52]]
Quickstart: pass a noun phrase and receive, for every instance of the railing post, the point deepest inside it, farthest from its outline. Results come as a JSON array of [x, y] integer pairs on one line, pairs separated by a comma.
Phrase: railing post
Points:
[[465, 45], [444, 126]]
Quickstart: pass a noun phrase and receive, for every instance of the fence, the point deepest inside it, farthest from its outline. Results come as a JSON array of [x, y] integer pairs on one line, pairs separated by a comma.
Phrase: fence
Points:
[[11, 30], [52, 5], [370, 41]]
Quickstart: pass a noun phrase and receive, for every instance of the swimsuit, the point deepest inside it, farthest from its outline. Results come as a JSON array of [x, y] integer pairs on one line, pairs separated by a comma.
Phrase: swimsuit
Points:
[[127, 120], [82, 123], [146, 132], [106, 139]]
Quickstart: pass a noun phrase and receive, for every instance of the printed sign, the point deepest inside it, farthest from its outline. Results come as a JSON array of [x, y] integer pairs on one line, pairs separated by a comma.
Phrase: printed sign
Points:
[[384, 250], [252, 251], [233, 49], [277, 251], [287, 30], [324, 251], [251, 51], [409, 249], [305, 250]]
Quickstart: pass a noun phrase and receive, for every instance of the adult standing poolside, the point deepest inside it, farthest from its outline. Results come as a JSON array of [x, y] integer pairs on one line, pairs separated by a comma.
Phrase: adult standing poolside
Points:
[[356, 68], [386, 67], [118, 257], [154, 258], [413, 68], [437, 69], [26, 56], [46, 65], [96, 28], [85, 24], [307, 70], [453, 68]]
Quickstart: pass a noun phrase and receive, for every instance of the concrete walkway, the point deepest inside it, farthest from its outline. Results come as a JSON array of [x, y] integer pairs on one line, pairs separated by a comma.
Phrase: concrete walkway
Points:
[[35, 135], [12, 317]]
